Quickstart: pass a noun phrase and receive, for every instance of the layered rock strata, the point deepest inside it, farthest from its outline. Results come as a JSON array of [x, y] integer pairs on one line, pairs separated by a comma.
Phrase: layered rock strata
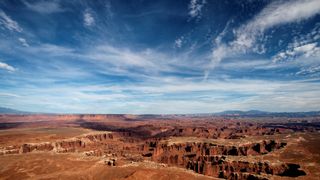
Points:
[[67, 145]]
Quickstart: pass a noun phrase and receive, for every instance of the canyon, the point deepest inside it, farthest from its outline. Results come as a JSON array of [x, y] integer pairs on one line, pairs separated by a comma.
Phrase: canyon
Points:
[[166, 146]]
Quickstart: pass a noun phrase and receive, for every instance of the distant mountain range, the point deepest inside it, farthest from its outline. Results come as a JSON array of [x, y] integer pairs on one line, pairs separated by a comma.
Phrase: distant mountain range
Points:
[[257, 113], [229, 113], [4, 110], [237, 112]]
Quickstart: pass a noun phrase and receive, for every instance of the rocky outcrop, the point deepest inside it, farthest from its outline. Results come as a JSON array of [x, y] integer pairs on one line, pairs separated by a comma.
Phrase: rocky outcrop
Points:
[[219, 166], [25, 148], [211, 159], [209, 149], [110, 161], [63, 146], [233, 132], [94, 153], [9, 150]]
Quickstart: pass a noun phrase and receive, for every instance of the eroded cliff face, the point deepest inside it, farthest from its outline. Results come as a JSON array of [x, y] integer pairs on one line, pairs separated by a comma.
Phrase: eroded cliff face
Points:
[[225, 132], [62, 146], [209, 149], [220, 166], [211, 159]]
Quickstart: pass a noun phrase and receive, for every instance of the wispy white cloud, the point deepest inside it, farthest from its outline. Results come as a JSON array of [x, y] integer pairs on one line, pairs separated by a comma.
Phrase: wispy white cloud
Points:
[[9, 95], [274, 14], [278, 13], [103, 59], [303, 46], [23, 42], [44, 7], [306, 50], [313, 71], [109, 9], [195, 8], [126, 61], [7, 67], [154, 93], [244, 64], [50, 50], [88, 18], [152, 97], [122, 57], [8, 23], [109, 60], [178, 42]]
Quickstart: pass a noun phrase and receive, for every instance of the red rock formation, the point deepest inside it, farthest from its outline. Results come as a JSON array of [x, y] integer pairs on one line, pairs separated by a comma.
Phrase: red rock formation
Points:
[[210, 159], [226, 132], [67, 145], [201, 149], [218, 166], [25, 148]]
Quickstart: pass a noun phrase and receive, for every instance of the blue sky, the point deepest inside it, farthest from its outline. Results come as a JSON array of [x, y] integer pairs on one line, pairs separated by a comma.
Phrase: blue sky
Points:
[[141, 56]]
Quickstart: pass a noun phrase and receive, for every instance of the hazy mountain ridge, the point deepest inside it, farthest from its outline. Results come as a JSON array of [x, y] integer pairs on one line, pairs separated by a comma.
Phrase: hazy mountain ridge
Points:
[[4, 110], [228, 113], [257, 113]]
